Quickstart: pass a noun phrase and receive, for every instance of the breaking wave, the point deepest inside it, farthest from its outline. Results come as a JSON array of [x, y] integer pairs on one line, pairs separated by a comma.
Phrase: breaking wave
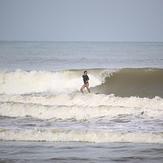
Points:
[[116, 96], [23, 82], [142, 82]]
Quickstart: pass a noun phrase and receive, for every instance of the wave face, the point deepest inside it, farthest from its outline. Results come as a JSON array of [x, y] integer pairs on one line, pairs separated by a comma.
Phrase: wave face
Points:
[[133, 82]]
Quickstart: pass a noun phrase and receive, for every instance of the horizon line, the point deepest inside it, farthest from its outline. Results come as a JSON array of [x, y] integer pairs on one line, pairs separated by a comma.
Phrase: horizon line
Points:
[[81, 41]]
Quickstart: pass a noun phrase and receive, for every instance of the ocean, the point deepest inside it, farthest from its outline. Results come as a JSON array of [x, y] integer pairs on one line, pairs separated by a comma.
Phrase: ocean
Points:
[[45, 118]]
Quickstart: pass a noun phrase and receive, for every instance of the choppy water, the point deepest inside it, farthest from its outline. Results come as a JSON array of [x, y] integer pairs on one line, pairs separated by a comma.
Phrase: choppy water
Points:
[[80, 152], [40, 101]]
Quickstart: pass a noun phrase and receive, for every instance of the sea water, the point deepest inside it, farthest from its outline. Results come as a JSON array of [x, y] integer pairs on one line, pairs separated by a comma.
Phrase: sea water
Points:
[[52, 56], [45, 118]]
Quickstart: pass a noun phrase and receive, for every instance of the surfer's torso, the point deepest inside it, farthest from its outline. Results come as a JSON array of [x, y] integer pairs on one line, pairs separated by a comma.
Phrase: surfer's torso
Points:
[[85, 79]]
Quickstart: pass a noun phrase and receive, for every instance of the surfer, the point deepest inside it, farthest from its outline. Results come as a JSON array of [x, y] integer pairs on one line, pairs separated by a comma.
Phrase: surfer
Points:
[[86, 83]]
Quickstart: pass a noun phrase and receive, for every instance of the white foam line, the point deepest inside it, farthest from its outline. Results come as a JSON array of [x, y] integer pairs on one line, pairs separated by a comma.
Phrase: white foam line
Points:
[[85, 100], [57, 135], [74, 111]]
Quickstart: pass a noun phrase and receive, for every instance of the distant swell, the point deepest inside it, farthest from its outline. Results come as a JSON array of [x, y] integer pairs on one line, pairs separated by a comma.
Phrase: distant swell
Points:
[[133, 82]]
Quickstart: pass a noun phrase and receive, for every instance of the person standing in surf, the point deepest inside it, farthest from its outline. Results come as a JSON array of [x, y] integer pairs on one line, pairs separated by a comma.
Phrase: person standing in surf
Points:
[[86, 82]]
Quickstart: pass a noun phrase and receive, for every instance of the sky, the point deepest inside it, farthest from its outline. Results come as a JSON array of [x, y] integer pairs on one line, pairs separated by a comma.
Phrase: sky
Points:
[[81, 20]]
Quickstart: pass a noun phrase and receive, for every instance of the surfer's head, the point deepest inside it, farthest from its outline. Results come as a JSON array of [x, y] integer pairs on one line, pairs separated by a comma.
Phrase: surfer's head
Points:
[[85, 72]]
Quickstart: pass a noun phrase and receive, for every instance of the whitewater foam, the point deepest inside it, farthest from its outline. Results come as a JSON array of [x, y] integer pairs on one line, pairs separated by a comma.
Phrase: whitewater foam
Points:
[[79, 135], [84, 100], [79, 106], [23, 82]]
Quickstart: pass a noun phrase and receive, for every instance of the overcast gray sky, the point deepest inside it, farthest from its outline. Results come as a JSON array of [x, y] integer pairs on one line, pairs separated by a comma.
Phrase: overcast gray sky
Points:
[[81, 20]]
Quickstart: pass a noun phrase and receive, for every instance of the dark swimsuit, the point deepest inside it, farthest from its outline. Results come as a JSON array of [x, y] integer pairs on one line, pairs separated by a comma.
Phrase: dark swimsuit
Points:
[[85, 79]]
